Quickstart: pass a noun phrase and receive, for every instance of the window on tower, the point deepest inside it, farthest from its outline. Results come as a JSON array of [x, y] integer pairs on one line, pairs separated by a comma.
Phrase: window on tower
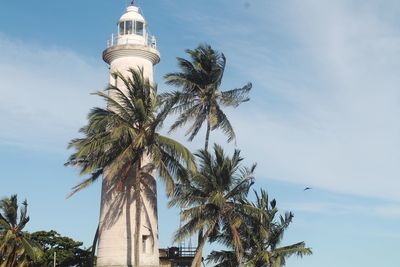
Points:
[[144, 243], [139, 28], [128, 27], [121, 28]]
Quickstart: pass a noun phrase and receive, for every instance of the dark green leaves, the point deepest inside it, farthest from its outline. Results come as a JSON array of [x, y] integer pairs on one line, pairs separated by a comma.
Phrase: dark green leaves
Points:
[[261, 234], [16, 247], [117, 138], [200, 98], [212, 197], [69, 252]]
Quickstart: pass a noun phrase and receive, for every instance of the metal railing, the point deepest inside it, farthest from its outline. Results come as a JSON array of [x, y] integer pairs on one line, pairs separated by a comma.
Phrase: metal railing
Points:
[[187, 251], [114, 40]]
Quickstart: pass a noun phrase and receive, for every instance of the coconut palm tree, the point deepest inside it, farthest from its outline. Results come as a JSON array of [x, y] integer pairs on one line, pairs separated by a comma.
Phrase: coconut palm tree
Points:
[[261, 235], [122, 143], [16, 248], [201, 99], [211, 198]]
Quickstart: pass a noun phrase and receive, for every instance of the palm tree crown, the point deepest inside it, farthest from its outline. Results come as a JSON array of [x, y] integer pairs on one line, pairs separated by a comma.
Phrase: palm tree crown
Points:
[[119, 137], [201, 99], [261, 236], [212, 196], [16, 249]]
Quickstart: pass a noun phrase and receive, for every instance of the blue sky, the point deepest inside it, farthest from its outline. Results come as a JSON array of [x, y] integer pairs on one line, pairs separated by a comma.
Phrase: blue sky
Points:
[[324, 110]]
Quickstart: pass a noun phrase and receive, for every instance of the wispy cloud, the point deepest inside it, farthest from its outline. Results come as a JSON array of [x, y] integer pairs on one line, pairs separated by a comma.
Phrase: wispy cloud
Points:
[[325, 103], [386, 211], [326, 95], [44, 93]]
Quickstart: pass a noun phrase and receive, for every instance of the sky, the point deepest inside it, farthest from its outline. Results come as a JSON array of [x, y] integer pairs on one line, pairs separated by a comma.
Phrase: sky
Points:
[[324, 110]]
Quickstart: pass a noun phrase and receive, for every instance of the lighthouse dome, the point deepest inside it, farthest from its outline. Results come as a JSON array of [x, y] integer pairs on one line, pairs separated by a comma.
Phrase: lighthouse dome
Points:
[[132, 27], [132, 13]]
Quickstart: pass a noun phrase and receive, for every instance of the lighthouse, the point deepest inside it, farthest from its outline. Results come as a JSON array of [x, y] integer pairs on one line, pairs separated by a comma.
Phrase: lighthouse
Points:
[[130, 48]]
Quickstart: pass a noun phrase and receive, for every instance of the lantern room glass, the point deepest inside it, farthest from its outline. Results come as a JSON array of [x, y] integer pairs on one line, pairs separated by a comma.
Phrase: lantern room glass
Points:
[[139, 28], [130, 27], [121, 28]]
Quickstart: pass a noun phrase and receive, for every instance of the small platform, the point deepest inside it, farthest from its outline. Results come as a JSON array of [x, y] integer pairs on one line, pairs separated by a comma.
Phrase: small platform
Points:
[[177, 256]]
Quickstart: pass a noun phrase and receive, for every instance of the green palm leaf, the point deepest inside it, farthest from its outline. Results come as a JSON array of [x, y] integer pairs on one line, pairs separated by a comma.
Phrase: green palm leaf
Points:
[[15, 244], [200, 99], [121, 142], [210, 199], [261, 234]]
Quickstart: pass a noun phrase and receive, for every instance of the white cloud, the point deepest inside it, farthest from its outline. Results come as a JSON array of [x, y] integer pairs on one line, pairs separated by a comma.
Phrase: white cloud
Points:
[[325, 105], [343, 133], [386, 211], [44, 93], [390, 211], [326, 98]]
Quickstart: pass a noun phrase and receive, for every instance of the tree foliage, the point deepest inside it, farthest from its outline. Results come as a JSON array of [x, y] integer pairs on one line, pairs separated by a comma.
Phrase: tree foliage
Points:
[[261, 234], [212, 198], [200, 99], [123, 139], [212, 193], [16, 248], [68, 251], [120, 136]]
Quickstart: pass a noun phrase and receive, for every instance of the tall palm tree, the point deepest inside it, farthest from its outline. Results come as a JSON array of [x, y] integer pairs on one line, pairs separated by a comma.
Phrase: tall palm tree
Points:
[[201, 99], [212, 196], [122, 142], [261, 236], [16, 248]]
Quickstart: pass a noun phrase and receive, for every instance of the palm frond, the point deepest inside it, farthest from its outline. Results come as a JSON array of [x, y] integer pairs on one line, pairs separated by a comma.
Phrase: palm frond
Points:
[[85, 183], [236, 96], [222, 258], [117, 138], [199, 78], [298, 249]]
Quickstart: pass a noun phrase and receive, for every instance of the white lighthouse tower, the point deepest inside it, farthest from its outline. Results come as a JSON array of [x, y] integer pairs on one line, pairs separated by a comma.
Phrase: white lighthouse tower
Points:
[[130, 48]]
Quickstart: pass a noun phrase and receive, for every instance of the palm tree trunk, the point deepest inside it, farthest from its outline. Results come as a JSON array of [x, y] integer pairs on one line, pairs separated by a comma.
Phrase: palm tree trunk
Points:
[[94, 245], [199, 252], [14, 257], [138, 214], [200, 238], [207, 134]]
